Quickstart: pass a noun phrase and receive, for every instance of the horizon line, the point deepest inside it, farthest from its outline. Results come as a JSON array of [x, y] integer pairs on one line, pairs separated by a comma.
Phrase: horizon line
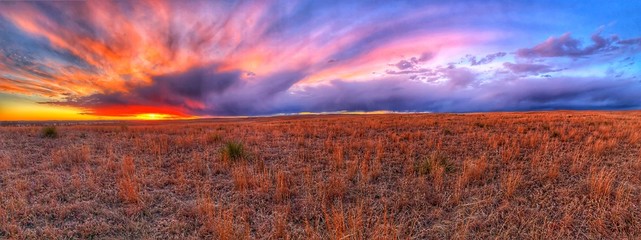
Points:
[[381, 112]]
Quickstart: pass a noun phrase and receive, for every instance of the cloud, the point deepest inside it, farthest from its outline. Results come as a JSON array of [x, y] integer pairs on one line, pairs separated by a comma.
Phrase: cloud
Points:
[[420, 70], [198, 91], [459, 77], [209, 91], [426, 56], [522, 94], [630, 41], [404, 64], [252, 98], [412, 62], [186, 91], [566, 46], [485, 60], [528, 68]]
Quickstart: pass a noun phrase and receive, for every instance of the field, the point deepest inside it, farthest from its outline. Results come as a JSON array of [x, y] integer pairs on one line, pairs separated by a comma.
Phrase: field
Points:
[[561, 174]]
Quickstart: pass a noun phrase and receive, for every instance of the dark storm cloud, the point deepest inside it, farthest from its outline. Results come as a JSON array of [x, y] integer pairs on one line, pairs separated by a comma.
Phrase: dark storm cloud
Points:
[[186, 89], [195, 83], [198, 91], [524, 94], [252, 98]]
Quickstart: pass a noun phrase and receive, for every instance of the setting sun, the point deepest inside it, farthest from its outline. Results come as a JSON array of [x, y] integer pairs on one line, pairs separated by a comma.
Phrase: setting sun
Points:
[[158, 116]]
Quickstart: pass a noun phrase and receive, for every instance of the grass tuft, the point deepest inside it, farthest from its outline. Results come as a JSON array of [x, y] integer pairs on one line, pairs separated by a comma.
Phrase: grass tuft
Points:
[[601, 184], [128, 184], [511, 182], [234, 151], [49, 132], [434, 162]]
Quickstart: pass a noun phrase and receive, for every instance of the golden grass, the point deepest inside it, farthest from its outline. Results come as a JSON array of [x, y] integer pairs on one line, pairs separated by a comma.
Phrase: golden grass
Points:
[[282, 186], [558, 175], [128, 185], [511, 182], [601, 183]]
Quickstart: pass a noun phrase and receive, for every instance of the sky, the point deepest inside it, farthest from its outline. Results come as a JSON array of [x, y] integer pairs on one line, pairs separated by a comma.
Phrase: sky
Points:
[[83, 60]]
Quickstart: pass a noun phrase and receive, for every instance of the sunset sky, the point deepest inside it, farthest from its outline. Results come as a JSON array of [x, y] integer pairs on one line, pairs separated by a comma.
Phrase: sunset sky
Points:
[[156, 59]]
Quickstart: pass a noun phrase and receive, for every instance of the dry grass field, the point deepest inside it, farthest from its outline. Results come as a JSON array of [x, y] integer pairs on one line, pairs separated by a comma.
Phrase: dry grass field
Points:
[[396, 176]]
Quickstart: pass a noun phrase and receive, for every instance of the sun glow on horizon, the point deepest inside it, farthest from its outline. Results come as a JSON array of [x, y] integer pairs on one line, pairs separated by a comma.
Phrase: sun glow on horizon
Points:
[[160, 116]]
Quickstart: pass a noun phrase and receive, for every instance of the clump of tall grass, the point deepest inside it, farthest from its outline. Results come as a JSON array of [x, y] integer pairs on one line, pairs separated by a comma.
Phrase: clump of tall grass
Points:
[[128, 184], [234, 151], [49, 132], [511, 182], [601, 183], [433, 162]]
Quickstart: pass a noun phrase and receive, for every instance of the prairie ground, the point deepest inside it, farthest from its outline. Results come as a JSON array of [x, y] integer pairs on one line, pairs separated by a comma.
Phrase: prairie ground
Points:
[[561, 174]]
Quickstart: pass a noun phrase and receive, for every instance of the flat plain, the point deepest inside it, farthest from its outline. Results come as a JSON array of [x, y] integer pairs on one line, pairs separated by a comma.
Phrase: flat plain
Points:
[[560, 174]]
